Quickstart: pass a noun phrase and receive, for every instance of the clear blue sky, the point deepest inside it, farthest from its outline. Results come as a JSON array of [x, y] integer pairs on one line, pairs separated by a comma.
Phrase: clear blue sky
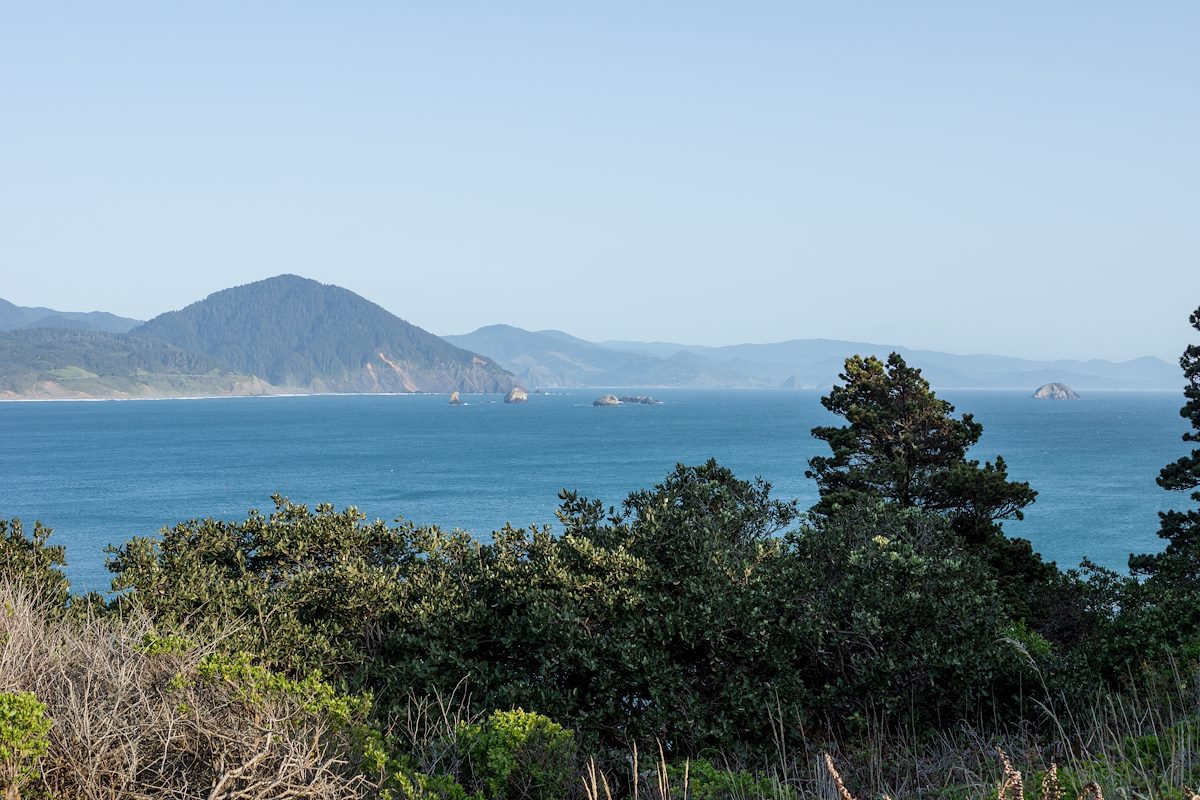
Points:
[[1017, 178]]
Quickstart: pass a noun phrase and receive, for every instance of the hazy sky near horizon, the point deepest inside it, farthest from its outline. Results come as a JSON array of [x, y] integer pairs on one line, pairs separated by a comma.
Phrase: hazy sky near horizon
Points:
[[1019, 178]]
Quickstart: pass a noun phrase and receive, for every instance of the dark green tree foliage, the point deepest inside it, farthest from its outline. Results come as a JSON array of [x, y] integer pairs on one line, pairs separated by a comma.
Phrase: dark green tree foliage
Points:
[[29, 561], [302, 590], [895, 620], [1173, 576], [683, 617], [648, 623], [904, 447], [1122, 622], [704, 660]]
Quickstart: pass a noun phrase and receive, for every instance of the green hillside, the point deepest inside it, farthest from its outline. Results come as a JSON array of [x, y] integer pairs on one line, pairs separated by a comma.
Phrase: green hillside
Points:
[[301, 334], [50, 363]]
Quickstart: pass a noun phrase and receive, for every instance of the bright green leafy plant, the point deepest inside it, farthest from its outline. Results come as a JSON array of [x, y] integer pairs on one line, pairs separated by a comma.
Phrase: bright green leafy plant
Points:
[[24, 738], [518, 755]]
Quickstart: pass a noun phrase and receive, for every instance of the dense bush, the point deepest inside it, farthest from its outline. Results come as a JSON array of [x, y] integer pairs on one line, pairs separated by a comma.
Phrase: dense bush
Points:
[[683, 618], [302, 590], [895, 619]]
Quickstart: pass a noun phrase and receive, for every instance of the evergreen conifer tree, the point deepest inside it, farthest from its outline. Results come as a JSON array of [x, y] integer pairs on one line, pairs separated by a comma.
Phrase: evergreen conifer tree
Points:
[[904, 448]]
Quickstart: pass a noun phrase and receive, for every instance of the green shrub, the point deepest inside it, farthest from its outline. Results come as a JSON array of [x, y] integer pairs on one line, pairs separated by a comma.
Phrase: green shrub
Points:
[[894, 620], [518, 755], [312, 584], [681, 617], [153, 644], [24, 732], [404, 781], [706, 781], [256, 684]]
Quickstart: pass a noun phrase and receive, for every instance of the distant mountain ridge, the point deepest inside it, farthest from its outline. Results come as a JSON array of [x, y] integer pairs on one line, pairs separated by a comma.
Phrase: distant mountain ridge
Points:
[[557, 359], [299, 334], [293, 334], [14, 317], [553, 359]]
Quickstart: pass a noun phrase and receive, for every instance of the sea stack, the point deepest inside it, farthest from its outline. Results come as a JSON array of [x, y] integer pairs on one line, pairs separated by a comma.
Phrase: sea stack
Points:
[[516, 395], [454, 399], [640, 398], [606, 400], [1055, 391]]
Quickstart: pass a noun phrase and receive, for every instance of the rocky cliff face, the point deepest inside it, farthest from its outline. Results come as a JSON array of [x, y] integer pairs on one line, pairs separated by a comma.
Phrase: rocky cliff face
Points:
[[1055, 391]]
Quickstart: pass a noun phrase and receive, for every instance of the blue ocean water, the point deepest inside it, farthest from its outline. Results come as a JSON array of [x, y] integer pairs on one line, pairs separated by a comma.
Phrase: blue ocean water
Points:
[[100, 472]]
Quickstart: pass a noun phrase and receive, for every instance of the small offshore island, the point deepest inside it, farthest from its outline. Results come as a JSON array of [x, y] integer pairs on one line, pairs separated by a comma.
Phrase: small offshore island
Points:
[[1055, 391], [629, 399]]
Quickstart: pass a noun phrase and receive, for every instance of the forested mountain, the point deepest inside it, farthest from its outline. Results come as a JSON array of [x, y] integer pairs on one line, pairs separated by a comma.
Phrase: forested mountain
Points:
[[299, 334], [13, 317], [48, 362]]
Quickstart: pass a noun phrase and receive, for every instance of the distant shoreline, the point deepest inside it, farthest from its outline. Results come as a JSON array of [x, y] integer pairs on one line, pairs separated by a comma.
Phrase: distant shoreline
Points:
[[210, 397], [555, 390]]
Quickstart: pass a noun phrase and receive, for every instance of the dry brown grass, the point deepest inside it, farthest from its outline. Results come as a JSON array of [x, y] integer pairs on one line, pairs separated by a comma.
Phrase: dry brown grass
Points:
[[134, 726], [1099, 757], [1010, 787]]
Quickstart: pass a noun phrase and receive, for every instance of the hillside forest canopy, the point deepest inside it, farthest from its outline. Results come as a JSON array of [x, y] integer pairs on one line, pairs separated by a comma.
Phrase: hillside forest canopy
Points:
[[702, 621]]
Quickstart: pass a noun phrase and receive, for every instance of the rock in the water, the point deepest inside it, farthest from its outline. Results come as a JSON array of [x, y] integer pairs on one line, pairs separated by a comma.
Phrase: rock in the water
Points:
[[455, 400], [516, 395], [1055, 391], [606, 400], [641, 398]]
